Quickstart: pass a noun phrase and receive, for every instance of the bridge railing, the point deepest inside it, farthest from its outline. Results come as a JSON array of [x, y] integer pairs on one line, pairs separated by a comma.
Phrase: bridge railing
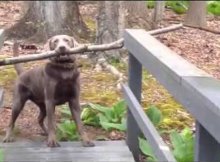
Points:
[[196, 90], [2, 38]]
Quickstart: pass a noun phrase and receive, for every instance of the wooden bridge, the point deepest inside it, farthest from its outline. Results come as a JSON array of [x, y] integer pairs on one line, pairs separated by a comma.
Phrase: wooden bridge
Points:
[[197, 91]]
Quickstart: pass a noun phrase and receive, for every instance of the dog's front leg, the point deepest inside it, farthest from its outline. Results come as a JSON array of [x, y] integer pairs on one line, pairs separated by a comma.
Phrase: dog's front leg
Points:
[[75, 111], [50, 107]]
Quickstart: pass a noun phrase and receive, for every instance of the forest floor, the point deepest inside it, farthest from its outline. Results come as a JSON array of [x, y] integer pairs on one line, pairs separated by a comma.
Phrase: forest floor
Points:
[[198, 47]]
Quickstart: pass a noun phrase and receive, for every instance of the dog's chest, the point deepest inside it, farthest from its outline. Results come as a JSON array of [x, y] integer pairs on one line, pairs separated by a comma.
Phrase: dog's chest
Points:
[[60, 73], [66, 82], [65, 90]]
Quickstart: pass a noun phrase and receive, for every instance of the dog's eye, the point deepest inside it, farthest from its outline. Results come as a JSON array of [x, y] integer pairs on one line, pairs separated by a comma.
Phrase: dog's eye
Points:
[[55, 41], [65, 40]]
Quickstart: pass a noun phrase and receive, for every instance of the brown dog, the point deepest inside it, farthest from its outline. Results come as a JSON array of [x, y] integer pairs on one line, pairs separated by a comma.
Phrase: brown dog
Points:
[[54, 84]]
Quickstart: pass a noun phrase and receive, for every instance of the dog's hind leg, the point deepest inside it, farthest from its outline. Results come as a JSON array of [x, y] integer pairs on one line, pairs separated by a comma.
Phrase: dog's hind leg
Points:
[[41, 118], [18, 105], [75, 111]]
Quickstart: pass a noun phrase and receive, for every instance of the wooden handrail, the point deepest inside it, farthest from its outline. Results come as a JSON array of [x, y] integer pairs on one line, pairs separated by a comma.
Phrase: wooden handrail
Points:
[[196, 90]]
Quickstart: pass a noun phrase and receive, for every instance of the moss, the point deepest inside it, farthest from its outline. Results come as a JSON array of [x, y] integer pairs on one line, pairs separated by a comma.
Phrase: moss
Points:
[[7, 75], [90, 23], [175, 116], [121, 66], [98, 87]]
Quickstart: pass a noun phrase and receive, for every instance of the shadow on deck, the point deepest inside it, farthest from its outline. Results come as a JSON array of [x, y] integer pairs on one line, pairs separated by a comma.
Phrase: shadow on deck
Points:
[[104, 151]]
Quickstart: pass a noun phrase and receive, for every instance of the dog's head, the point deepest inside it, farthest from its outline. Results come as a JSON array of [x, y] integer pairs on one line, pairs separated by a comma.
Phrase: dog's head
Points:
[[62, 44]]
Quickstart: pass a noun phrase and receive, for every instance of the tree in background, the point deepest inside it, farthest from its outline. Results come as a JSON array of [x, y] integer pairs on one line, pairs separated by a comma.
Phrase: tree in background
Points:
[[158, 13], [44, 19], [196, 14], [114, 16]]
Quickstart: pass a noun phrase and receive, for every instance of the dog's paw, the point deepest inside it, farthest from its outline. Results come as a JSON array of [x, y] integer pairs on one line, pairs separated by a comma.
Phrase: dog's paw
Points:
[[88, 144], [53, 143], [8, 139]]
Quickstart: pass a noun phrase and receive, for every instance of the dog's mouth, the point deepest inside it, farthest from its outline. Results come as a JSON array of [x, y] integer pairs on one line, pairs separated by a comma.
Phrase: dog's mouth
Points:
[[64, 58]]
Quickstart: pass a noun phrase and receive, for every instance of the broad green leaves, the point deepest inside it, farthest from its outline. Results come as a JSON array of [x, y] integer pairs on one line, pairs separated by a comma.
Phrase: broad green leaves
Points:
[[154, 114], [1, 155], [146, 149], [111, 117], [66, 131], [95, 115], [180, 7], [183, 145], [213, 7]]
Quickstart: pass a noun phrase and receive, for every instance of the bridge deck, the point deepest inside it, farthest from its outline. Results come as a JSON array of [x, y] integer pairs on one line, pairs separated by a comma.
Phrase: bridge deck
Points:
[[104, 151]]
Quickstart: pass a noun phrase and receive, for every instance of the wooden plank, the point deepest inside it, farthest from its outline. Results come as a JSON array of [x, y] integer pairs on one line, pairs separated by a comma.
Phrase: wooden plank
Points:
[[118, 143], [1, 97], [104, 151], [196, 90], [161, 150], [2, 37], [133, 131], [66, 156], [100, 149], [206, 147]]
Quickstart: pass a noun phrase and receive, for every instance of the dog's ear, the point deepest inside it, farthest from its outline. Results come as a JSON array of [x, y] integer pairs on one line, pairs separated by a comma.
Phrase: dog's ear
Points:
[[49, 45], [74, 42]]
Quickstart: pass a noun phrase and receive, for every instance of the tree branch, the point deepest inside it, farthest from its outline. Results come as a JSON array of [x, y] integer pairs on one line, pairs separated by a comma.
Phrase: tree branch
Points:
[[203, 28], [80, 49]]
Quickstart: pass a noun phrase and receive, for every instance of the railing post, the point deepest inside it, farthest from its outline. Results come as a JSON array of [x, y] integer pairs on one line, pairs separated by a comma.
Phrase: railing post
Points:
[[134, 81], [206, 147]]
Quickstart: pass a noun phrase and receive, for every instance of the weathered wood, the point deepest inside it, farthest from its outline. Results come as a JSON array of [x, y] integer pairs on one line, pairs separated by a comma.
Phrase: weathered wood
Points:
[[104, 151], [196, 90], [160, 149], [1, 96], [206, 147], [82, 48], [2, 37], [133, 131], [24, 143], [192, 87]]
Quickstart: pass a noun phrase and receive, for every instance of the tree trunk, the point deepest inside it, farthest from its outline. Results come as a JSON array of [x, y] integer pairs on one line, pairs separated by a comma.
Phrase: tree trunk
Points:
[[114, 16], [137, 15], [196, 14], [44, 19], [109, 24], [158, 13]]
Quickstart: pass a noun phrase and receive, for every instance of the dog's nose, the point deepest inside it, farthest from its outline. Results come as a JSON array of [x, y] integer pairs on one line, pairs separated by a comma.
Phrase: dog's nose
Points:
[[62, 48]]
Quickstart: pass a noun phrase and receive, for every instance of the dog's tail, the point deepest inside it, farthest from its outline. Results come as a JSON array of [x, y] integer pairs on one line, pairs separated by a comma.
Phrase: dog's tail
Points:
[[18, 67]]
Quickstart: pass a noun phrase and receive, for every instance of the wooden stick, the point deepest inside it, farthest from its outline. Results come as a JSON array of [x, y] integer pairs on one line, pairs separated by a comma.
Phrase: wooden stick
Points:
[[204, 28], [80, 49]]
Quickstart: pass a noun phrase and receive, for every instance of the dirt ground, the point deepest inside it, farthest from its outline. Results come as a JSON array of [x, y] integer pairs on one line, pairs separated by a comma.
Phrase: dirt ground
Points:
[[199, 47]]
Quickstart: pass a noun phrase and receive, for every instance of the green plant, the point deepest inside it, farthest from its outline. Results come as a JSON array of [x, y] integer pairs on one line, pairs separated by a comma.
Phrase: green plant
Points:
[[1, 155], [150, 4], [146, 149], [66, 131], [213, 7], [89, 117], [111, 117], [178, 7], [65, 112], [155, 116], [96, 115], [183, 145]]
